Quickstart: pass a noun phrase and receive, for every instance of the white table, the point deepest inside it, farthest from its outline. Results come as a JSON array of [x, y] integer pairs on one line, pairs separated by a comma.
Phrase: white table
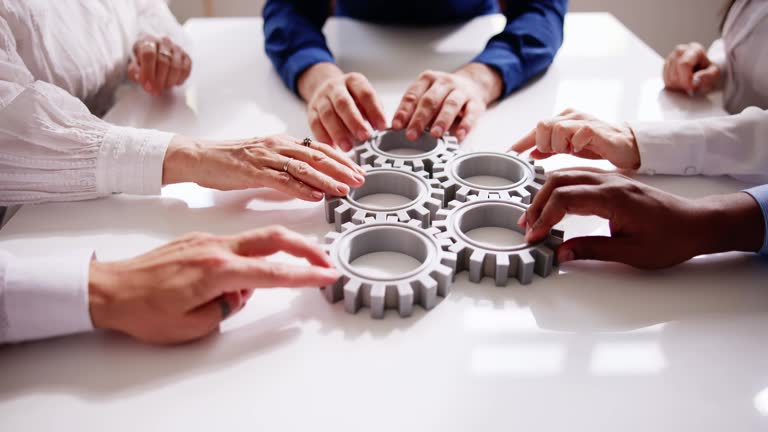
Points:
[[597, 347]]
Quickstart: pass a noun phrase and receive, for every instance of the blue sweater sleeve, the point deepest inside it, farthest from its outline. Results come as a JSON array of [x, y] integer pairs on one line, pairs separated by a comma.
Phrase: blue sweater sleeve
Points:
[[760, 194], [293, 36], [529, 42]]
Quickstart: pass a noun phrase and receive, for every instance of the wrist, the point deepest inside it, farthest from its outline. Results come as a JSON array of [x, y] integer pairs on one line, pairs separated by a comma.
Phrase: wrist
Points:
[[101, 281], [181, 160], [732, 222], [312, 78], [486, 77], [634, 151]]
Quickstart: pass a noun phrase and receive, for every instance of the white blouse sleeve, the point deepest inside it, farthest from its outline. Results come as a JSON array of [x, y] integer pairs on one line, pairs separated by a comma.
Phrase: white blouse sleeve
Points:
[[53, 149], [735, 145], [38, 304]]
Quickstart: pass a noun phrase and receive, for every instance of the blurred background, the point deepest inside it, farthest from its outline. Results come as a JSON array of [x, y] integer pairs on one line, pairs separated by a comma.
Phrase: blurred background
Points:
[[660, 23]]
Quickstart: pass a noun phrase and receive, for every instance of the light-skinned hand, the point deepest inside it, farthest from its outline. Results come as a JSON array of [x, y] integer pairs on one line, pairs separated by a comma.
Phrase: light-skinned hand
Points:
[[158, 64], [688, 69]]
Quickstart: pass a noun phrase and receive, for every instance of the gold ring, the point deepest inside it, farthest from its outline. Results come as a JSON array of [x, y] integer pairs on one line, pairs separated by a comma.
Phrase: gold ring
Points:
[[150, 44], [307, 142], [165, 53], [287, 164]]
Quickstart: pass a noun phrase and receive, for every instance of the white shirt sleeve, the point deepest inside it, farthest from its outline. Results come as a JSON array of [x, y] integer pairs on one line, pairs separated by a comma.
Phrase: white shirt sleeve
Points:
[[735, 145], [37, 304], [53, 149], [716, 54]]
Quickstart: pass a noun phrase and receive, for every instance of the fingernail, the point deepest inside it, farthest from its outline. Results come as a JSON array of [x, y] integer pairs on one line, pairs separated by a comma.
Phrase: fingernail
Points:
[[411, 134], [521, 220], [565, 255], [343, 189], [331, 273], [397, 124], [317, 195], [362, 135], [437, 131], [345, 144], [359, 179]]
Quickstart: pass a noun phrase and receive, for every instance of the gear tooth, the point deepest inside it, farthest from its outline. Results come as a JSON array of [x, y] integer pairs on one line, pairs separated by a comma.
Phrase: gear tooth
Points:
[[341, 216], [405, 299], [379, 161], [432, 231], [353, 295], [473, 198], [398, 163], [502, 269], [381, 217], [538, 169], [516, 200], [367, 167], [445, 242], [359, 217], [334, 292], [366, 157], [476, 264], [425, 175], [557, 233], [485, 194], [422, 215], [433, 206], [438, 195], [369, 220], [441, 215], [462, 193], [377, 300], [331, 237], [347, 226], [540, 178], [450, 260], [444, 277], [402, 216], [504, 195], [453, 204], [417, 165], [545, 259], [331, 204], [513, 153], [413, 222], [525, 267], [427, 292], [440, 225], [524, 195], [387, 165]]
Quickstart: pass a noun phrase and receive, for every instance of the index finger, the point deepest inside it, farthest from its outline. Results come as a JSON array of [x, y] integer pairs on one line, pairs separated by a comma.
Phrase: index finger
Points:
[[147, 58], [259, 273], [580, 199], [408, 103], [367, 100], [267, 241], [556, 180], [525, 143]]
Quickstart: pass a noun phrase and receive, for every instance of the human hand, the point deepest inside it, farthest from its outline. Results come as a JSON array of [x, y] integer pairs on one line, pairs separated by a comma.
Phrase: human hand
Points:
[[582, 135], [184, 289], [339, 105], [158, 64], [445, 102], [279, 162], [688, 69], [650, 228]]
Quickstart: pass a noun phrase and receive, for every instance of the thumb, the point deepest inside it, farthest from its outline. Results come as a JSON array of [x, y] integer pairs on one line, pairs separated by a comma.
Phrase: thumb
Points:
[[598, 248], [705, 80]]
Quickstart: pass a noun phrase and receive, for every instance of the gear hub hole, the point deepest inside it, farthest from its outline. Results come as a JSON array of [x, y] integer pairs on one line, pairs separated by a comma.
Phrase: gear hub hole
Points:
[[396, 143], [385, 253], [494, 225], [387, 190], [490, 171]]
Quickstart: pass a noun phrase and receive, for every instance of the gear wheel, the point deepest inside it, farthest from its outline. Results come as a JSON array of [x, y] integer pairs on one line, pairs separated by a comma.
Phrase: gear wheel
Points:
[[525, 178], [425, 194], [420, 286], [423, 154], [483, 259]]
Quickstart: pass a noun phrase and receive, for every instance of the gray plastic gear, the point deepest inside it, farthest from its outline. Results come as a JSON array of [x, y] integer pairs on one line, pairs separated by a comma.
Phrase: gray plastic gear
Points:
[[525, 178], [423, 153], [422, 285], [482, 259], [425, 194]]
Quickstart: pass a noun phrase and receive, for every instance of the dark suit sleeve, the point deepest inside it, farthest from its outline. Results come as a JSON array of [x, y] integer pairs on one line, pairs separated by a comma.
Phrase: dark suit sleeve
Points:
[[529, 42], [293, 36]]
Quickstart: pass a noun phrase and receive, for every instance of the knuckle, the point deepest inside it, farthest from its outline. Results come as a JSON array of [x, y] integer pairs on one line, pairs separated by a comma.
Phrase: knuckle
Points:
[[356, 78], [318, 157], [451, 103], [410, 97], [283, 178], [302, 168], [343, 104], [429, 75], [429, 102]]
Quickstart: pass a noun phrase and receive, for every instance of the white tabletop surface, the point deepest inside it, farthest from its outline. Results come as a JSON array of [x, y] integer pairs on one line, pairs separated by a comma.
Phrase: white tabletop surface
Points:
[[597, 347]]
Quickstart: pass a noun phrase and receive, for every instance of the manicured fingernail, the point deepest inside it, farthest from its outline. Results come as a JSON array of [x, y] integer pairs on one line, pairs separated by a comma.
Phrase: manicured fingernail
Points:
[[436, 131], [565, 255], [397, 124], [343, 189], [411, 134], [359, 179], [317, 195]]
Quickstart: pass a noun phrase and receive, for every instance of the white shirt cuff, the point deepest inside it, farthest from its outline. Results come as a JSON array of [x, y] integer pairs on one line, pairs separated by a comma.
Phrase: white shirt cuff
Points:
[[131, 161], [47, 297], [672, 147]]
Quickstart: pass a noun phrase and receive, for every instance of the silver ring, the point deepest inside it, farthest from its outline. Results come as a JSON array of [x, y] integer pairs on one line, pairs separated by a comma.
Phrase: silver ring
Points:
[[307, 142], [150, 44], [287, 164], [165, 53], [224, 307]]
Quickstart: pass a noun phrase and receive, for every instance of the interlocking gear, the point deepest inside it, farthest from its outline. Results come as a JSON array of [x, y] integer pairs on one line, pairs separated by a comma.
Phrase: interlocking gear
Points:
[[421, 286], [483, 259], [425, 194], [525, 178], [421, 155]]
